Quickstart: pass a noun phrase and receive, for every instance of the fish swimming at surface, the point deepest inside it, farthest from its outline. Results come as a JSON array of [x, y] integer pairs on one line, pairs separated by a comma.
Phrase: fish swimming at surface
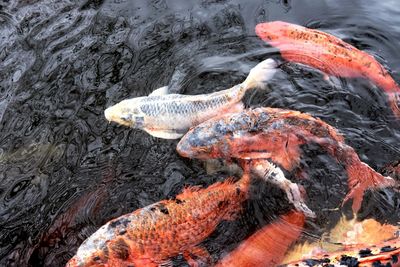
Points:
[[277, 134], [328, 54], [152, 235], [170, 116]]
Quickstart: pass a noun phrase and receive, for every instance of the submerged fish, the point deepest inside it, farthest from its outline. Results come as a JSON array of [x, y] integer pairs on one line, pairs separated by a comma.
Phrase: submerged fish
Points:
[[328, 54], [170, 116], [277, 134], [384, 254], [267, 246], [152, 235]]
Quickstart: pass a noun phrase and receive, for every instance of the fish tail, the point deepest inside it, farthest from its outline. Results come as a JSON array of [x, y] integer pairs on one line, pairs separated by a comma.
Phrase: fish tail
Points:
[[260, 74], [267, 246], [362, 177]]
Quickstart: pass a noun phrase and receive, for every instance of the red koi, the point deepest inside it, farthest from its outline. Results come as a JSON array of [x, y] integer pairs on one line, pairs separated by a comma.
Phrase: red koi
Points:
[[328, 54], [277, 134]]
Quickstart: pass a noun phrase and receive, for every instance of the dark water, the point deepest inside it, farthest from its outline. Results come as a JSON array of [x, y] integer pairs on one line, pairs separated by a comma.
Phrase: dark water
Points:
[[65, 171]]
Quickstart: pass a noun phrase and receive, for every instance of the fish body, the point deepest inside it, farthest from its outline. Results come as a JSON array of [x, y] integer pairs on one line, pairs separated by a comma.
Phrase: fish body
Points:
[[277, 135], [152, 235], [169, 116], [329, 54], [385, 254]]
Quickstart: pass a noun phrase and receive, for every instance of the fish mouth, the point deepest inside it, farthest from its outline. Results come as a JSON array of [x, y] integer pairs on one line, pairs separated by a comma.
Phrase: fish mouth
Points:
[[108, 114]]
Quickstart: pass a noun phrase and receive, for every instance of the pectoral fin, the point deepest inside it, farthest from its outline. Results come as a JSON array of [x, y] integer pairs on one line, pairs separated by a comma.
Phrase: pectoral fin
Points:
[[166, 134], [160, 91]]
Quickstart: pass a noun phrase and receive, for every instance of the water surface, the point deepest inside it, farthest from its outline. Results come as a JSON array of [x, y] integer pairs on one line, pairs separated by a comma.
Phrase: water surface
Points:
[[65, 171]]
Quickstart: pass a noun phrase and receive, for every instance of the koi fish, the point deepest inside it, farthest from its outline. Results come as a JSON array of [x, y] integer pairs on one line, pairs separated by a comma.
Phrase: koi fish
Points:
[[328, 54], [267, 246], [170, 116], [385, 254], [277, 134], [152, 235]]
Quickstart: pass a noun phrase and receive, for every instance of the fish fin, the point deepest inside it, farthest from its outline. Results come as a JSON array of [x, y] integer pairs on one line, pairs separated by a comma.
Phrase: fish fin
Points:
[[188, 191], [261, 74], [269, 172], [160, 91], [362, 177], [267, 246], [197, 255], [165, 134]]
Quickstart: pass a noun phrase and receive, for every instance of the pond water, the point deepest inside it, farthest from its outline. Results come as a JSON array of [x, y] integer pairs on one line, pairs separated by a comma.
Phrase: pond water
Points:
[[65, 171]]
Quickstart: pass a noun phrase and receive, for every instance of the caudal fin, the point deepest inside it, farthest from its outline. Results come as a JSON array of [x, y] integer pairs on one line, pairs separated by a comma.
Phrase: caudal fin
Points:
[[268, 245], [361, 177], [261, 74]]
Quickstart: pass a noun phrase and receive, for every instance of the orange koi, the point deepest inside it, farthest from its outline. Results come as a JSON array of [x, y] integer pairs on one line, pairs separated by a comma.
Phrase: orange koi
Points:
[[268, 245], [328, 54], [152, 235], [277, 134]]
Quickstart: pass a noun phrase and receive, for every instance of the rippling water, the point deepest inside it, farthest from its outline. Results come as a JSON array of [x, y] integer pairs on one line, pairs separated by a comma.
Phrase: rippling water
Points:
[[65, 171]]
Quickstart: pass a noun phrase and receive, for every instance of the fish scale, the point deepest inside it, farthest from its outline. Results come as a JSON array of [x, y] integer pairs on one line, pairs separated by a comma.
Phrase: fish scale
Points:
[[171, 115]]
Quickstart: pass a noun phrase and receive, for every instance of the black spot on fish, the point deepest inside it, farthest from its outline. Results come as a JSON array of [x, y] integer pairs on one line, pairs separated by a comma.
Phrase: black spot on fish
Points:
[[122, 231], [163, 209], [97, 259], [395, 258], [222, 204], [387, 249], [379, 264], [123, 221], [312, 262], [365, 253], [120, 249], [178, 201], [238, 191], [349, 261]]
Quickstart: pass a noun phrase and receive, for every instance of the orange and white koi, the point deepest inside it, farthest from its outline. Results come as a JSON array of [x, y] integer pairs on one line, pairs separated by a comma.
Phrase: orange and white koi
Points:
[[329, 54], [169, 116], [277, 135], [152, 235]]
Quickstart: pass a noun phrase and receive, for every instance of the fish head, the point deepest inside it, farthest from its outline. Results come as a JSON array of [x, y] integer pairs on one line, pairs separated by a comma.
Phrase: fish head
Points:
[[274, 31], [126, 112], [202, 142], [221, 137]]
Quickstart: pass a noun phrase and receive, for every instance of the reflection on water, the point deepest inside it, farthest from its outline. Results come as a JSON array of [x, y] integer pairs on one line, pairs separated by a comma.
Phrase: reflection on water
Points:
[[65, 171]]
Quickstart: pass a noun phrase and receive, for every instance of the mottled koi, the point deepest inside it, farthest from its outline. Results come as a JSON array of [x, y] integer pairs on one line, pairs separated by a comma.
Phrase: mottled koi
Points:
[[277, 134], [152, 235], [328, 54], [170, 116]]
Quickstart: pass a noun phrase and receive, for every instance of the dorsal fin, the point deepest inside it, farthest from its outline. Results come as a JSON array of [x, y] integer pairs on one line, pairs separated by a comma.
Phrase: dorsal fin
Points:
[[160, 91]]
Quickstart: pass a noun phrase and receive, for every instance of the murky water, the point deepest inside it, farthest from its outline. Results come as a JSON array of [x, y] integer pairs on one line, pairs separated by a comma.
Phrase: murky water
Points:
[[65, 171]]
